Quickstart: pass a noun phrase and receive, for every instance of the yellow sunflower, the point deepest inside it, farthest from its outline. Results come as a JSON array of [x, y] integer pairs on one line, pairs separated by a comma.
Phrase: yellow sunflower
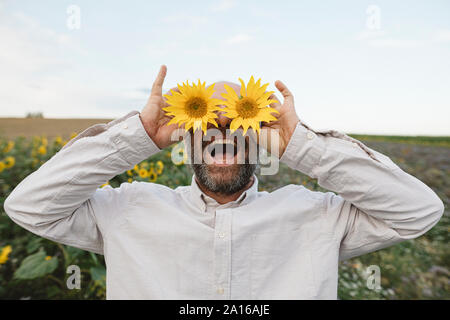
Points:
[[58, 140], [9, 162], [8, 147], [42, 150], [5, 253], [159, 167], [152, 175], [143, 173], [192, 106], [251, 107]]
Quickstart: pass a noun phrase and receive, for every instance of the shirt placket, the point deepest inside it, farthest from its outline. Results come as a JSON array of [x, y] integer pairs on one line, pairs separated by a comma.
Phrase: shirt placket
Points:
[[222, 254]]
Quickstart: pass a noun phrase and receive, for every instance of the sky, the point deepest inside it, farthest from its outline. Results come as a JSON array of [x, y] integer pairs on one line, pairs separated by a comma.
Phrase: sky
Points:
[[373, 67]]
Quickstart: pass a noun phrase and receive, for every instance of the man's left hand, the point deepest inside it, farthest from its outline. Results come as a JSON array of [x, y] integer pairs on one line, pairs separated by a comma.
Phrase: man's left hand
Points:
[[285, 124]]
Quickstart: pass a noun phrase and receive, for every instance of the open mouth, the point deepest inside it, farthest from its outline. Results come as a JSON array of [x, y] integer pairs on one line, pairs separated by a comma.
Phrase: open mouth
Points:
[[221, 152]]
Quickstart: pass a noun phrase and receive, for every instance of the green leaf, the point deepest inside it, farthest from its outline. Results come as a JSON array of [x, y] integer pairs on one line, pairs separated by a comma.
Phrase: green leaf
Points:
[[94, 258], [73, 254], [53, 291], [34, 244], [98, 274], [35, 266]]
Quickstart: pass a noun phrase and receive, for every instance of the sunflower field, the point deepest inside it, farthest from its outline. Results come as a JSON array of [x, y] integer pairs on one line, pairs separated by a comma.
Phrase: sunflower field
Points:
[[35, 268]]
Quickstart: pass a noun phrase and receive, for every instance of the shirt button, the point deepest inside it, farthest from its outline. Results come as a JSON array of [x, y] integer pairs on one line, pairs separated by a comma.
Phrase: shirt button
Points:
[[310, 135], [220, 290], [222, 234], [125, 126]]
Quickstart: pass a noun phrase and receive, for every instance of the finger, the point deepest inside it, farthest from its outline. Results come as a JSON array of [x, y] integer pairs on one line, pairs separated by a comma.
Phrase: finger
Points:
[[275, 105], [287, 95], [157, 85]]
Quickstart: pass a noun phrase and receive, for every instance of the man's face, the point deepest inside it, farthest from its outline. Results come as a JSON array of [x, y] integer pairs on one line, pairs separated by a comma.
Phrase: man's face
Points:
[[223, 166]]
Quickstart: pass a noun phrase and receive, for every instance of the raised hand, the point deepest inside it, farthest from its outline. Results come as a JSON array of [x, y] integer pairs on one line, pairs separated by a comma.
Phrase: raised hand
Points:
[[286, 121], [153, 116]]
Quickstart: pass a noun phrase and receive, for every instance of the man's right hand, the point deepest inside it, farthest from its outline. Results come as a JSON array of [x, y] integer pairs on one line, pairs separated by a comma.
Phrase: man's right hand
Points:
[[153, 117]]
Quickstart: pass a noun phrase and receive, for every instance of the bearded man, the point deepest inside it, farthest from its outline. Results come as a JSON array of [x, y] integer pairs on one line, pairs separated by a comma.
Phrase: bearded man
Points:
[[220, 238]]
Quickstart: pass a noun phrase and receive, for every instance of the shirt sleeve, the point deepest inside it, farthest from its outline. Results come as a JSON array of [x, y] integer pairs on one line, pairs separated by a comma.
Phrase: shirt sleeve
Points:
[[377, 204], [62, 201]]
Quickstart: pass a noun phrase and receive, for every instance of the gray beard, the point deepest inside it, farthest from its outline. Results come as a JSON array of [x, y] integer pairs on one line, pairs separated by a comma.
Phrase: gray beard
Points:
[[241, 180]]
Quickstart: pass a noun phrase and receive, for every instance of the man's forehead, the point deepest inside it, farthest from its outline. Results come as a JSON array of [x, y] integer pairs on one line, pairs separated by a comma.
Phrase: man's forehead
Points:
[[219, 88]]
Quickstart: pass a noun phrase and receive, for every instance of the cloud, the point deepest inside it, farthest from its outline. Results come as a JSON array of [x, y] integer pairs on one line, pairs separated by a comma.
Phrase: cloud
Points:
[[162, 49], [38, 74], [442, 35], [27, 48], [223, 6], [181, 25], [369, 34], [186, 20], [394, 43], [380, 39], [239, 38]]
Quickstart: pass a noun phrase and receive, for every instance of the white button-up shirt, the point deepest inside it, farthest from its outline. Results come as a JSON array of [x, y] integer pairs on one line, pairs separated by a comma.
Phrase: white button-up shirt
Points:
[[161, 243]]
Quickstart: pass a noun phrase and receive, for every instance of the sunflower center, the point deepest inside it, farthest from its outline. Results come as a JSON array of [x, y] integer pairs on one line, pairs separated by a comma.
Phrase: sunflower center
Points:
[[247, 108], [196, 107]]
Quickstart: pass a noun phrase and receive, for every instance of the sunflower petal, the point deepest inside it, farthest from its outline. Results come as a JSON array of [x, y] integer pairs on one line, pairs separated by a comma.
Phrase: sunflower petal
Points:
[[230, 93], [213, 122], [214, 102], [245, 125], [264, 97], [210, 91], [234, 125], [242, 91], [188, 125], [251, 87], [230, 113], [262, 89], [272, 101]]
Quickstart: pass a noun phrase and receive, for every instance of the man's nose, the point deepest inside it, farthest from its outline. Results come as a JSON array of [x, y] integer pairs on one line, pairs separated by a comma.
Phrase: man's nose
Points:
[[222, 120]]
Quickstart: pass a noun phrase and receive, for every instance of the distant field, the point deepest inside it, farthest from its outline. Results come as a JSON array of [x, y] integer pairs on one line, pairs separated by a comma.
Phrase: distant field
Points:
[[443, 141], [14, 127]]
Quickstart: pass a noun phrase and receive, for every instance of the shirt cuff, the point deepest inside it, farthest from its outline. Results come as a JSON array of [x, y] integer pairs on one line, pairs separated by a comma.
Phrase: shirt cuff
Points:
[[304, 150], [130, 137]]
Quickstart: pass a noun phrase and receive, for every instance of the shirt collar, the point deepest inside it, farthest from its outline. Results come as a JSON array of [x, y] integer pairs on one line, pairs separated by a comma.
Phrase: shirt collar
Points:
[[201, 200]]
